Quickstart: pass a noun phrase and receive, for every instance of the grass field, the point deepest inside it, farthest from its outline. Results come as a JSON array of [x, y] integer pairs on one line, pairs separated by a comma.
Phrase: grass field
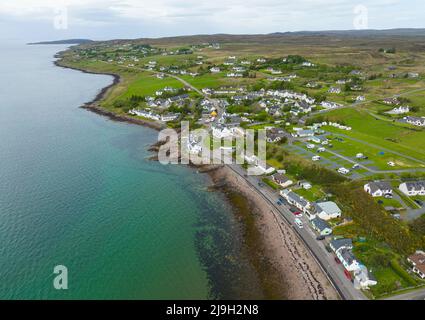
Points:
[[387, 135]]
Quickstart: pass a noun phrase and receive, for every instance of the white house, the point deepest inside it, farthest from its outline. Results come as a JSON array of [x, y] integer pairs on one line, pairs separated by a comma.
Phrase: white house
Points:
[[363, 279], [416, 121], [335, 90], [378, 188], [330, 105], [339, 244], [282, 180], [347, 259], [221, 131], [418, 263], [399, 110], [145, 114], [296, 200], [169, 117], [413, 188], [326, 210]]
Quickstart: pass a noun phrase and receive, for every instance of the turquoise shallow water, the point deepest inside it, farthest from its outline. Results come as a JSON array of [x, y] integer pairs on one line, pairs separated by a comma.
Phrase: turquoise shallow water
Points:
[[77, 189]]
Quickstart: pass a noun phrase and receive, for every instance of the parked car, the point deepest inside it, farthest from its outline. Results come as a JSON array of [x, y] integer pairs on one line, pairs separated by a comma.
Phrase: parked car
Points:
[[299, 223], [388, 196], [320, 238], [348, 274], [419, 202], [310, 146], [337, 260], [343, 170], [279, 203]]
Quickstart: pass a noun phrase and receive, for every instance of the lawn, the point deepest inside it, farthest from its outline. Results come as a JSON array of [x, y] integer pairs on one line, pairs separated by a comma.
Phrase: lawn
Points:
[[147, 83], [378, 159], [383, 134], [313, 194]]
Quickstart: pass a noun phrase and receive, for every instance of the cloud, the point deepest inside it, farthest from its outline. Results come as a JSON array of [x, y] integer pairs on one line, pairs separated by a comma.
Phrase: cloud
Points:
[[175, 17]]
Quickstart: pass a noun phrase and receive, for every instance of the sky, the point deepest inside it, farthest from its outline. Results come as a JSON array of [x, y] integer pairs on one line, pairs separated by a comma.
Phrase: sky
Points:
[[36, 20]]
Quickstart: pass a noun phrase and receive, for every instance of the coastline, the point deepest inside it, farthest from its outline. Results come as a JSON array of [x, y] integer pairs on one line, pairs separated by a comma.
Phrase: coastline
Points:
[[286, 268], [291, 265], [93, 105]]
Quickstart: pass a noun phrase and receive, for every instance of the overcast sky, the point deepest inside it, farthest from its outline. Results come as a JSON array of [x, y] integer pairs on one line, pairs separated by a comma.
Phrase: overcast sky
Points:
[[32, 20]]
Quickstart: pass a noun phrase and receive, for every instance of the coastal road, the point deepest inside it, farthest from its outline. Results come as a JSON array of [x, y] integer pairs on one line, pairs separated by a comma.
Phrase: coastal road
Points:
[[326, 260], [413, 295]]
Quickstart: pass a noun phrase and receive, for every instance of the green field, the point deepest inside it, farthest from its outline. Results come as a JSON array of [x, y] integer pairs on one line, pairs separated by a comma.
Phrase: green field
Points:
[[386, 135]]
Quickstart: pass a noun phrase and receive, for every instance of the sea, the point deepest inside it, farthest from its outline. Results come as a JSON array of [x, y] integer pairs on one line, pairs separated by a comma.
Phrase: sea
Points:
[[78, 191]]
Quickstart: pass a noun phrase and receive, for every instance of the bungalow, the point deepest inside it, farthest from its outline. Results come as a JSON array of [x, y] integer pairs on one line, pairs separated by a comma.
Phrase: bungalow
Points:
[[145, 114], [220, 131], [307, 64], [305, 184], [391, 101], [304, 133], [330, 105], [282, 180], [347, 259], [178, 98], [326, 210], [418, 262], [378, 188], [321, 226], [413, 188], [339, 244], [416, 121], [321, 140], [274, 136], [170, 117], [234, 75], [265, 168], [215, 70], [399, 110], [363, 279], [335, 90], [413, 75], [296, 200]]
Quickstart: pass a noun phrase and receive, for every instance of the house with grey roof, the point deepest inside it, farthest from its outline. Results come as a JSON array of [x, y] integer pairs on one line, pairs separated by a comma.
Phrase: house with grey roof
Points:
[[326, 210], [347, 259], [321, 226], [416, 121], [296, 200], [282, 180], [413, 188], [378, 188], [338, 244]]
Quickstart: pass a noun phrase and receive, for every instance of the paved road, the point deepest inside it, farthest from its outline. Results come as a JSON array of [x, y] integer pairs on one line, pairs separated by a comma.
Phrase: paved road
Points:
[[413, 295], [326, 260]]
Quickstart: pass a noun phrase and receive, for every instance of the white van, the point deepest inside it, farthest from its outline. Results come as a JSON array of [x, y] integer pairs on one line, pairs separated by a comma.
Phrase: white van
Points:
[[343, 170], [299, 223]]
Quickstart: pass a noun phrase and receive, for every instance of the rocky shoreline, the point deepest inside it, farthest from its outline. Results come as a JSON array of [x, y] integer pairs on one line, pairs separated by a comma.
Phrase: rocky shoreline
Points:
[[286, 268]]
